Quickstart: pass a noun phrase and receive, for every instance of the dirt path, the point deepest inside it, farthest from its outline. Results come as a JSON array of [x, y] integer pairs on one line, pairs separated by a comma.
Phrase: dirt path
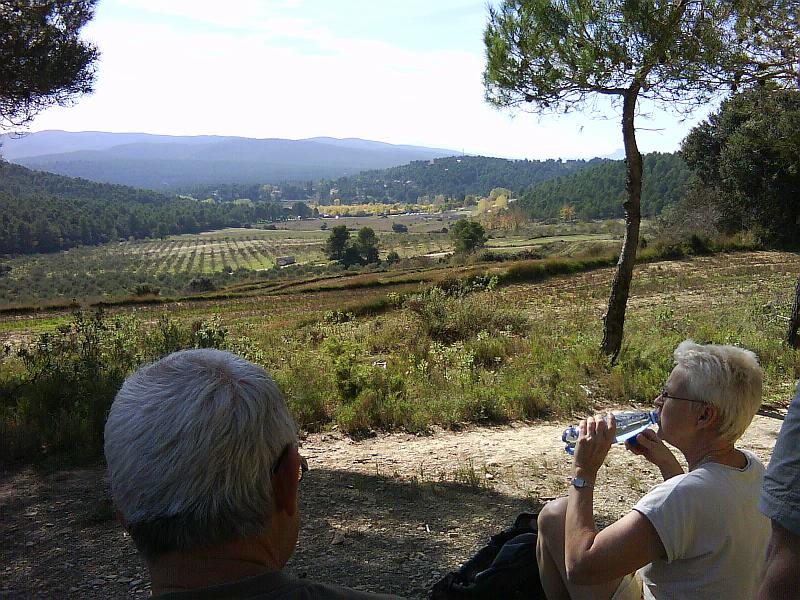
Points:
[[391, 513]]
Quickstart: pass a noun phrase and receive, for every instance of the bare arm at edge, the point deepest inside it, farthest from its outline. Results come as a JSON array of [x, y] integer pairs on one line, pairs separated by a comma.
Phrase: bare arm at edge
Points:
[[781, 580]]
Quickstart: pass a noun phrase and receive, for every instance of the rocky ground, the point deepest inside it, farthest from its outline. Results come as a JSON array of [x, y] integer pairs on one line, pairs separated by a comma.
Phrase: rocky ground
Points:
[[392, 513]]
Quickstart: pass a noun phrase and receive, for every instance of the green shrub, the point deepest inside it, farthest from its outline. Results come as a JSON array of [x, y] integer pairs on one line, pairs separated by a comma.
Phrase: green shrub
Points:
[[146, 289], [382, 403], [672, 246], [491, 351], [538, 270], [742, 241], [448, 319], [209, 334], [201, 284], [640, 372], [525, 400], [335, 317], [401, 336], [482, 404], [349, 373], [56, 392], [462, 286], [168, 336], [699, 244], [307, 388]]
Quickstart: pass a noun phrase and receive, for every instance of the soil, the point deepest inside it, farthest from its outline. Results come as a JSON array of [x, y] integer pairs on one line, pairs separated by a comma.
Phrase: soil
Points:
[[392, 513]]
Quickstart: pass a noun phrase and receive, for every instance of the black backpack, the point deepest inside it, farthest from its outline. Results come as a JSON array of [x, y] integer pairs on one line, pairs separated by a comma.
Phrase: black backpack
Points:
[[504, 569]]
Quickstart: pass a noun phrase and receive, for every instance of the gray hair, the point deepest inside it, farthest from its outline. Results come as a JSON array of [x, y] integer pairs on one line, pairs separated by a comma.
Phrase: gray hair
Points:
[[726, 376], [190, 442]]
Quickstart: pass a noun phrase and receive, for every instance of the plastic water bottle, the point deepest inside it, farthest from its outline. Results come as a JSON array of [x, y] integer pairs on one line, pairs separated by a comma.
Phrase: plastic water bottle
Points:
[[629, 424]]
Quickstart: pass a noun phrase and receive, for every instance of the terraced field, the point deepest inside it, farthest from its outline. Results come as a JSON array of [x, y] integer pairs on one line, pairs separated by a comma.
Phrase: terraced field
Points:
[[229, 250], [231, 256], [115, 269]]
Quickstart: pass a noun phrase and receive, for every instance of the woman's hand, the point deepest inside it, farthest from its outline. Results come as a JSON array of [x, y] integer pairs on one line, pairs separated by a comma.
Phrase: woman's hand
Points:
[[594, 441], [655, 451]]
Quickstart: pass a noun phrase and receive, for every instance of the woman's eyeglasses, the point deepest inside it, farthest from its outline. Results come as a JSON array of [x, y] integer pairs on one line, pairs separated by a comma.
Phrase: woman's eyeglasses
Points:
[[665, 395]]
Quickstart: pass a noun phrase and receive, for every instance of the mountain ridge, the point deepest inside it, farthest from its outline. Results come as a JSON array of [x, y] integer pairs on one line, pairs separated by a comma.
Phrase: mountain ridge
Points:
[[165, 163]]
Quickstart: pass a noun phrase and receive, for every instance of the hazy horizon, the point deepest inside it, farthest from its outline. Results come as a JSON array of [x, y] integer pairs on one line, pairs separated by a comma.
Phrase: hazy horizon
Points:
[[616, 154], [399, 73]]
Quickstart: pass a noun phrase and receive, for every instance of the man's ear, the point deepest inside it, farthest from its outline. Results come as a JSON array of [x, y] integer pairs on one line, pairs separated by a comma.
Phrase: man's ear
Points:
[[286, 483]]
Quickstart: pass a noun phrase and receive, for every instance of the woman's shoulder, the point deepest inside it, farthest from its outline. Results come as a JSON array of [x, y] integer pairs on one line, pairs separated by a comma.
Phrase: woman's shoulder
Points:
[[753, 461], [751, 474], [710, 479]]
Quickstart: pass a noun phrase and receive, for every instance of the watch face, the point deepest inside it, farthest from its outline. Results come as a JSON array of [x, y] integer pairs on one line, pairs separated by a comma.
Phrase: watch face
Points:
[[579, 482]]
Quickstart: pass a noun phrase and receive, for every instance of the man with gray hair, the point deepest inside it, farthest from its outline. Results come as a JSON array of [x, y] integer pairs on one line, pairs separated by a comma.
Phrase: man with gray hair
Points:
[[205, 472]]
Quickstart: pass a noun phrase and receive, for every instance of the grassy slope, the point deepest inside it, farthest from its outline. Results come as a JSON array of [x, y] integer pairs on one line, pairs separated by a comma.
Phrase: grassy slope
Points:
[[519, 351]]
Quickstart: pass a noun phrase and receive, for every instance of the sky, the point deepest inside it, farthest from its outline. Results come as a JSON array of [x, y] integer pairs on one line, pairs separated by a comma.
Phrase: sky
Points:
[[396, 71]]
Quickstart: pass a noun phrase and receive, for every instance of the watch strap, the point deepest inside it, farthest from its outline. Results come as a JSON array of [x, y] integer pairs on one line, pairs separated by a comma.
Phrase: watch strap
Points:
[[580, 483]]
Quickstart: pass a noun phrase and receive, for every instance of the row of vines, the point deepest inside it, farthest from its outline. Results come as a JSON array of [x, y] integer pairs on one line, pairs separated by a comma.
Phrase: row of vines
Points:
[[168, 265]]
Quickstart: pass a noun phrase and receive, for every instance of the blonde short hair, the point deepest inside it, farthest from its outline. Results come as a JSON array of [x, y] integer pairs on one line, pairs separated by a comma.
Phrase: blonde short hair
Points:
[[725, 376]]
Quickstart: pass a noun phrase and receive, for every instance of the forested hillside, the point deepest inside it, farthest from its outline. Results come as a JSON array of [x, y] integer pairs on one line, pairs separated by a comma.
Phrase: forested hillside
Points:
[[42, 212], [452, 177], [597, 192], [228, 192]]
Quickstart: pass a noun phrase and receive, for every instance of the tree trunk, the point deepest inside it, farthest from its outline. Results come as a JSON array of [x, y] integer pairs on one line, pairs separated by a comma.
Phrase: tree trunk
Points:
[[614, 318], [792, 335]]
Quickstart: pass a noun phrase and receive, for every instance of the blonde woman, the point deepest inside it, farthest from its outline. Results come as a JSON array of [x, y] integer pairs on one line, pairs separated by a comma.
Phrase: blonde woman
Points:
[[697, 535]]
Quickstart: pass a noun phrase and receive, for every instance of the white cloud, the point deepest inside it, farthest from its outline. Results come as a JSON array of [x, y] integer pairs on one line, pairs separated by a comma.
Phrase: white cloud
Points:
[[261, 72]]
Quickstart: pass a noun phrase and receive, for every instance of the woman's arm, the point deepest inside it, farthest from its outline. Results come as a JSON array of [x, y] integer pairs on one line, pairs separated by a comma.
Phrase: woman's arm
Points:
[[632, 542], [621, 548]]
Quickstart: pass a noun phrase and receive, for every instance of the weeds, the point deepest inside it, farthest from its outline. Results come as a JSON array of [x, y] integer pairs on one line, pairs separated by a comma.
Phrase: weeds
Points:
[[56, 392], [448, 319], [462, 351], [467, 475]]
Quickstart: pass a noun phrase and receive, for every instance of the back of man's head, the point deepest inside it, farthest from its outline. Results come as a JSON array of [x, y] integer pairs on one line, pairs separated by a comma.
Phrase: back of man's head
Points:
[[190, 442]]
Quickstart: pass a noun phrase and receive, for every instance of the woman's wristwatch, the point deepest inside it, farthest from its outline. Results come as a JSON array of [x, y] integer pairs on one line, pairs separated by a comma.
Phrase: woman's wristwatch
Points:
[[580, 483]]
